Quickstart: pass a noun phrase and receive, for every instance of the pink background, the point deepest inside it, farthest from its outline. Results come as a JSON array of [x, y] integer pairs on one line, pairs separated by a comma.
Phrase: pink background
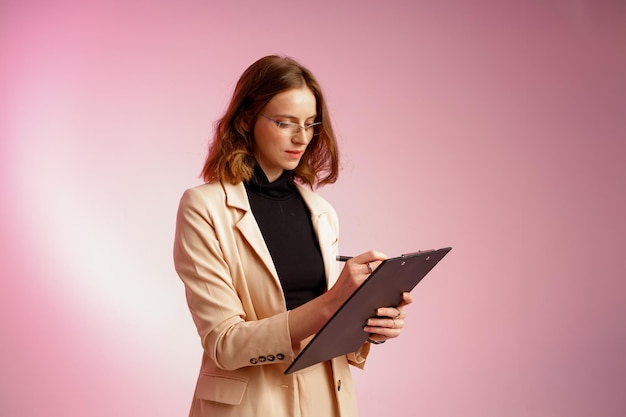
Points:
[[495, 127]]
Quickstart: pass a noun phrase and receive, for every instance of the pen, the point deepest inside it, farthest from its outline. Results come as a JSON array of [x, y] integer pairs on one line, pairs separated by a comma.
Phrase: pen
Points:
[[341, 258]]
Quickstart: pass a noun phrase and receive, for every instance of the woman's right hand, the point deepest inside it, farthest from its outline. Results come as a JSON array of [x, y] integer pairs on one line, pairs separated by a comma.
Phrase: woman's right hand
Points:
[[310, 317], [354, 272]]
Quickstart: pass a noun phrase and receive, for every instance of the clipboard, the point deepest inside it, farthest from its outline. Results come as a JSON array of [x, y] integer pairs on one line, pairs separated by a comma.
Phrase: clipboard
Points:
[[343, 333]]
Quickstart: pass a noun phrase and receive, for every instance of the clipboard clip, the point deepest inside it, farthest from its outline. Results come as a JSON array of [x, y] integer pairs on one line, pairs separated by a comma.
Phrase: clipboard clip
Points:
[[406, 255]]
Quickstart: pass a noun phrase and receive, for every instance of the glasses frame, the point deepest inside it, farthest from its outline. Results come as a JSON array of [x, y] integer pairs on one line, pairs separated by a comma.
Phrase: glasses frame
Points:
[[292, 126]]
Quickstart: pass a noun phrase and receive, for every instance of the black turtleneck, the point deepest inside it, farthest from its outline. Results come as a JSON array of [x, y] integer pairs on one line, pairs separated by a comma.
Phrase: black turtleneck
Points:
[[285, 222]]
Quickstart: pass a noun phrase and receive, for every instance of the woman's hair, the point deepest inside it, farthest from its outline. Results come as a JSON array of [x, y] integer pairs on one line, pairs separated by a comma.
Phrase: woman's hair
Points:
[[231, 153]]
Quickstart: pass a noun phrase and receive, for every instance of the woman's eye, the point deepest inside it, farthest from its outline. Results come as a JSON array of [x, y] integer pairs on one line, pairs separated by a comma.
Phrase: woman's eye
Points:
[[283, 125]]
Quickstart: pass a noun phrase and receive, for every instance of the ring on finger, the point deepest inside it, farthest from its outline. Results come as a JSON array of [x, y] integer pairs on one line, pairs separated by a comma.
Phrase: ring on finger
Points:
[[399, 313], [393, 323], [369, 267]]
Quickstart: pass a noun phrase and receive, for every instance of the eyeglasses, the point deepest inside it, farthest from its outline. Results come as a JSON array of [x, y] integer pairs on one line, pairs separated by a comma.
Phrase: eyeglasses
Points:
[[292, 129]]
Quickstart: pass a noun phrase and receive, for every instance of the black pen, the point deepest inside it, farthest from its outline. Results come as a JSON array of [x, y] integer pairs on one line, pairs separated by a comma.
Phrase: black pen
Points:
[[341, 258]]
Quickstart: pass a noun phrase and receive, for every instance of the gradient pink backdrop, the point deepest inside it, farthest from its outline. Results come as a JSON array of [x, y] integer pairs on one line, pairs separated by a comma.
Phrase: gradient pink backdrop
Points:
[[495, 127]]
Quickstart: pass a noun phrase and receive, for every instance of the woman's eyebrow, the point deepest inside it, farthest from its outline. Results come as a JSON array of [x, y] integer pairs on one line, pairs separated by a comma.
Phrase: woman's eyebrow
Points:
[[292, 117]]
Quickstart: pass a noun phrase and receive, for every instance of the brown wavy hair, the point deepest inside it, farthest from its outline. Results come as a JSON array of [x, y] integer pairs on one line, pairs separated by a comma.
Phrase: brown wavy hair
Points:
[[230, 157]]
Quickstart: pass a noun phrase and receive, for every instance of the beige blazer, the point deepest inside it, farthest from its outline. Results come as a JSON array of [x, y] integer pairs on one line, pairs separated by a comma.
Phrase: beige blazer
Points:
[[237, 304]]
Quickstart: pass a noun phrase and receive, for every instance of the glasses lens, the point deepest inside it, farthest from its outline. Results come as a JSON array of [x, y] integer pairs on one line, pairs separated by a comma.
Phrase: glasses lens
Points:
[[295, 130]]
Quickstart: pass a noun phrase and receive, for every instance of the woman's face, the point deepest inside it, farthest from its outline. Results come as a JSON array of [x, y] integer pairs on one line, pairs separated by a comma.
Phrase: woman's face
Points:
[[279, 145]]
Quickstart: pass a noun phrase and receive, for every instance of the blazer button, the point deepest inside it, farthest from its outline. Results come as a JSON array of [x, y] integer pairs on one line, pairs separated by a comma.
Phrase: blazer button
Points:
[[271, 358], [280, 356], [253, 361], [262, 358]]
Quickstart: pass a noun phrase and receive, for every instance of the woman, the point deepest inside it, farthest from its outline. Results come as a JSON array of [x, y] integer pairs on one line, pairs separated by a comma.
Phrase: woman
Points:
[[256, 248]]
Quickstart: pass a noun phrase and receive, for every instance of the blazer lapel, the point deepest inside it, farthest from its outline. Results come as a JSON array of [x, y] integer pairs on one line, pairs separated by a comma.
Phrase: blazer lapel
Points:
[[326, 235], [237, 198]]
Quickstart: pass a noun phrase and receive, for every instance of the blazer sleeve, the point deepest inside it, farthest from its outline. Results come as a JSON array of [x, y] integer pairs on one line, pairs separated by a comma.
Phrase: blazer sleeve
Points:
[[227, 336]]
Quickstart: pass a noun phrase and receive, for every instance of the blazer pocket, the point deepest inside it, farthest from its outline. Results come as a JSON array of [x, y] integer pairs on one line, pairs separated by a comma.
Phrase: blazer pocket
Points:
[[221, 389]]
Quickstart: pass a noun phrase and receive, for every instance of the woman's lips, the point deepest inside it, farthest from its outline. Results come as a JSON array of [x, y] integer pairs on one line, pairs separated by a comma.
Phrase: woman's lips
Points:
[[295, 154]]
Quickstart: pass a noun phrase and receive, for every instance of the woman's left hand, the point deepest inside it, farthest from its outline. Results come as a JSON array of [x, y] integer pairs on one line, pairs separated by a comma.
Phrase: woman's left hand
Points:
[[388, 322]]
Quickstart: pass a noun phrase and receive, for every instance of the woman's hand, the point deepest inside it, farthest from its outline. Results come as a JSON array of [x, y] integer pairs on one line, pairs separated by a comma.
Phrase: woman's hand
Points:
[[389, 321], [310, 317], [354, 272]]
